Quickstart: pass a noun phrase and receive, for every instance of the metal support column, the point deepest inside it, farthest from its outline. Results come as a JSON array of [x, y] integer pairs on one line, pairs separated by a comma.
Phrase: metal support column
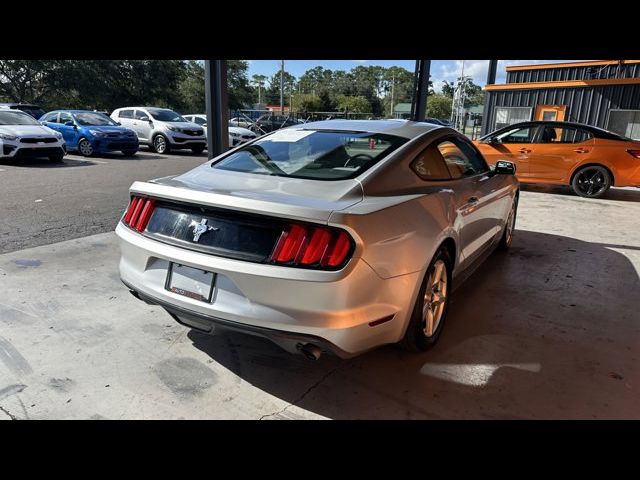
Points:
[[487, 111], [215, 80], [421, 90]]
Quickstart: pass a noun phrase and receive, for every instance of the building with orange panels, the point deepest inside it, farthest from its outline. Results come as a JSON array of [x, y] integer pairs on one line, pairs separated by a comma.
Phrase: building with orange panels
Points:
[[602, 93]]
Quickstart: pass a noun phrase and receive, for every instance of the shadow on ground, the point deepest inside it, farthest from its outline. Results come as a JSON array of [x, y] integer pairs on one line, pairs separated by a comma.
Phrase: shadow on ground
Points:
[[532, 334], [626, 195], [46, 163]]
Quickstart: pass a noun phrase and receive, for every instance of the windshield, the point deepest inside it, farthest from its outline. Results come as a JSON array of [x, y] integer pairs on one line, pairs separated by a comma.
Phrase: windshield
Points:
[[165, 115], [8, 117], [312, 154], [93, 118]]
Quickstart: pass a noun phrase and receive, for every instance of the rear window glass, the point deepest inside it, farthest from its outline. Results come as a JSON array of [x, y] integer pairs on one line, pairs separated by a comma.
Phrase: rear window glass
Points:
[[312, 154]]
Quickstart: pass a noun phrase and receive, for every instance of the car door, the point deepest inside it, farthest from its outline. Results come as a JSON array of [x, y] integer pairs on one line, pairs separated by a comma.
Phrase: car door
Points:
[[67, 128], [125, 118], [142, 125], [480, 203], [512, 144], [558, 149]]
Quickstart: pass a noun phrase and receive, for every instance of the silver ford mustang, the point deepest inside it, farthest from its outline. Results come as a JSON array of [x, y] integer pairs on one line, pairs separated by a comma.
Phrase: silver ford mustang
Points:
[[334, 236]]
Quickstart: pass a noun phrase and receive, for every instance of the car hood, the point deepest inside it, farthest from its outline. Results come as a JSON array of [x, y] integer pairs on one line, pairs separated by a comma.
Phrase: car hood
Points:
[[294, 198], [27, 130], [108, 128], [240, 131], [183, 125]]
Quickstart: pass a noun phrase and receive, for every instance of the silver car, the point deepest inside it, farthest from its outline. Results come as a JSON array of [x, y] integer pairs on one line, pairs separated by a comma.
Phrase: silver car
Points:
[[162, 129], [237, 135], [334, 236]]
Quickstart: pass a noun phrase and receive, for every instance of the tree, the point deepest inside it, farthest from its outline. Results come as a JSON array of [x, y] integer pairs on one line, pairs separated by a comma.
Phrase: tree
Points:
[[239, 91], [473, 94], [306, 102], [191, 88], [258, 82], [355, 104], [439, 106], [272, 94]]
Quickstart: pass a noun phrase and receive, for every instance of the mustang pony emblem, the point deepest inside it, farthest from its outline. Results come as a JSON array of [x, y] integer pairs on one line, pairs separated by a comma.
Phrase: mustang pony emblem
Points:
[[201, 228]]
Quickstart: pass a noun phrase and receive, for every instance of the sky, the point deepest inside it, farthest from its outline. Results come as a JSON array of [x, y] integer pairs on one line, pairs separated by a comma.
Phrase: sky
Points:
[[441, 70]]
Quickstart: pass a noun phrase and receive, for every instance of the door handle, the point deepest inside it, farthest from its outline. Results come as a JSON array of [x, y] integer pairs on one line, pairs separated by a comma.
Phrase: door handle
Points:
[[524, 150], [581, 150], [472, 200]]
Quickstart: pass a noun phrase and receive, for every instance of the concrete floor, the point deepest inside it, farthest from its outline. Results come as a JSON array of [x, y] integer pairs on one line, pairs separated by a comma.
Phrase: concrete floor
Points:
[[549, 330]]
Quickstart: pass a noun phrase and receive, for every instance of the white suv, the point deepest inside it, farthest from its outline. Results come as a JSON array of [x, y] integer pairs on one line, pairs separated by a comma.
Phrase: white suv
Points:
[[22, 136], [162, 129], [237, 135]]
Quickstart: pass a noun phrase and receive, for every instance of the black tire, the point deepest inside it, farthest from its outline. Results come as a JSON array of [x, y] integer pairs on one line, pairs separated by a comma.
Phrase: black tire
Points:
[[509, 228], [85, 148], [160, 144], [197, 150], [592, 181], [129, 153], [415, 339], [56, 158]]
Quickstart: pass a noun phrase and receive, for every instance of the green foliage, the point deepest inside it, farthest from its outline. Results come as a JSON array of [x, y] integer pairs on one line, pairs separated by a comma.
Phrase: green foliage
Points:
[[355, 104], [473, 94], [439, 106], [306, 102]]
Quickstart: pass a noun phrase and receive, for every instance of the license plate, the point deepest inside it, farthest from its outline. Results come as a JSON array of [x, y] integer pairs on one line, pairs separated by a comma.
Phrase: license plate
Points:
[[190, 282]]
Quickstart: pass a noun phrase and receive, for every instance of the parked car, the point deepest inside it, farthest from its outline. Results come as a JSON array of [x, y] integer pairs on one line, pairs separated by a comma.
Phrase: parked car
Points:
[[22, 136], [162, 129], [587, 158], [237, 135], [242, 122], [268, 123], [435, 121], [341, 236], [34, 110], [90, 132]]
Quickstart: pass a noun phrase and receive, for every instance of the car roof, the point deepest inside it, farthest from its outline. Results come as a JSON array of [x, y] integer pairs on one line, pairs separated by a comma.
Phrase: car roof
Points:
[[12, 104], [596, 131], [400, 128]]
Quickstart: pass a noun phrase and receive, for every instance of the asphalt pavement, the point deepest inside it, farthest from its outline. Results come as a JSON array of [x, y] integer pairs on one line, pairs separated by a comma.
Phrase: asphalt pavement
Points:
[[44, 202]]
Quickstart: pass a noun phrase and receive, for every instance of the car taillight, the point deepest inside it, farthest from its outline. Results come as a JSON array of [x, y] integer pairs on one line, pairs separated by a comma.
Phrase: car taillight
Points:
[[139, 213], [634, 153], [313, 247]]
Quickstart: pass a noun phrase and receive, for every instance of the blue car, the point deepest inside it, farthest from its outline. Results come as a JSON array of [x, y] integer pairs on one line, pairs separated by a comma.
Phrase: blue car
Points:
[[91, 132]]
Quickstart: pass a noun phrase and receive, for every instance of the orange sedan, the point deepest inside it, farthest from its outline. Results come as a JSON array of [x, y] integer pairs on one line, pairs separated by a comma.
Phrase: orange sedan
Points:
[[587, 158]]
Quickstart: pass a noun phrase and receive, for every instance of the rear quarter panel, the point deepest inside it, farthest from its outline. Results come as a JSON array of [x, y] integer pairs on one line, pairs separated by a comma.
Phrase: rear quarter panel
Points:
[[613, 155]]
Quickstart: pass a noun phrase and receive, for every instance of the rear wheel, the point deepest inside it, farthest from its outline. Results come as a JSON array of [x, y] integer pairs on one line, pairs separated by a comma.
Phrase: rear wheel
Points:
[[510, 225], [432, 304], [591, 182], [160, 144], [85, 148]]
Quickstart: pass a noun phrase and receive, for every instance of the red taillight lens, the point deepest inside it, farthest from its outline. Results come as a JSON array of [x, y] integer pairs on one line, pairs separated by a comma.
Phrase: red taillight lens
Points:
[[139, 213], [319, 247], [634, 153]]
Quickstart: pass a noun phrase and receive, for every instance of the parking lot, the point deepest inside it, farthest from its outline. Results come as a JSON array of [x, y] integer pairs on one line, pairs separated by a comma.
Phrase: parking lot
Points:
[[549, 330]]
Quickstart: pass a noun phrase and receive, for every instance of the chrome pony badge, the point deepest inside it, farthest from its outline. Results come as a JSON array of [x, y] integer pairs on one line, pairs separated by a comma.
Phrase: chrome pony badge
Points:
[[201, 228]]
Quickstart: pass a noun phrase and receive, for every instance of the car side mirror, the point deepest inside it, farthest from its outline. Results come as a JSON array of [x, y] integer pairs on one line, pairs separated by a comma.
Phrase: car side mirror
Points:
[[118, 123], [492, 141], [145, 119], [505, 168]]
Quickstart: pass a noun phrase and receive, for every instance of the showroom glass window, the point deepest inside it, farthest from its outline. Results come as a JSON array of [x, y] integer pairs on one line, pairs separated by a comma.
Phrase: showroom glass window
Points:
[[625, 122], [506, 116]]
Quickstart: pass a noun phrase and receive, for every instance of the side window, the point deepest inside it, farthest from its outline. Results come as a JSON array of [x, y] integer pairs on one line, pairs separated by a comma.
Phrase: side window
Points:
[[430, 165], [517, 135], [461, 159], [199, 121], [65, 117], [125, 114], [140, 114], [551, 134], [51, 118]]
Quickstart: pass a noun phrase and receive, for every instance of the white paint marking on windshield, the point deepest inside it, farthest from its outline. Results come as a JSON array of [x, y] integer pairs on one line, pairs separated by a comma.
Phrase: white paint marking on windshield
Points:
[[287, 135]]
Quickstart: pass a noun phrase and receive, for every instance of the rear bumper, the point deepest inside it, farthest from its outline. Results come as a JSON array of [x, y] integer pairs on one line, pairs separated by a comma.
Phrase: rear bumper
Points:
[[332, 310]]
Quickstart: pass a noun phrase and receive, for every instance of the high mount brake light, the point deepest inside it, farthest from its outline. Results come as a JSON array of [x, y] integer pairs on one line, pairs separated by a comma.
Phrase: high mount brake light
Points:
[[314, 247], [139, 213]]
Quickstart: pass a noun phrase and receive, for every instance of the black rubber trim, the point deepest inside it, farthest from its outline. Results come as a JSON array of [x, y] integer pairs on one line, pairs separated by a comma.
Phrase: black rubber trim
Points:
[[268, 333]]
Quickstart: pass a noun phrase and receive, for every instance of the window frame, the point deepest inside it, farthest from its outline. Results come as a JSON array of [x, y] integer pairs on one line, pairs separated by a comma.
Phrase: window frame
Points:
[[620, 110], [541, 127], [495, 116], [56, 115]]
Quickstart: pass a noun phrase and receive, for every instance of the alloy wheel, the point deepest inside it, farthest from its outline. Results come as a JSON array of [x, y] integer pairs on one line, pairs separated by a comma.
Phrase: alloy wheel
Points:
[[435, 298], [85, 148], [160, 144], [591, 181]]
